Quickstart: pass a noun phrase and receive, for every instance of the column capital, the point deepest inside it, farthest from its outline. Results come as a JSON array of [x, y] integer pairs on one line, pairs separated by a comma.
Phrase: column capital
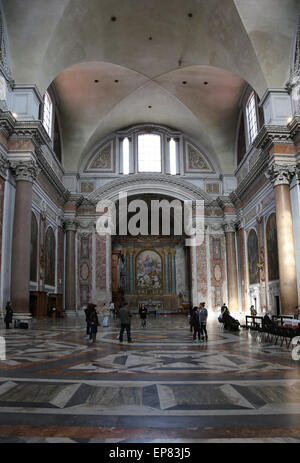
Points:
[[281, 174], [70, 225], [229, 227], [26, 171]]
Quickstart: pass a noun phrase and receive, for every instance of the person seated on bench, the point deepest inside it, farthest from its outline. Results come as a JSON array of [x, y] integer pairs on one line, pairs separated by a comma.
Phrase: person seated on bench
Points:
[[267, 321]]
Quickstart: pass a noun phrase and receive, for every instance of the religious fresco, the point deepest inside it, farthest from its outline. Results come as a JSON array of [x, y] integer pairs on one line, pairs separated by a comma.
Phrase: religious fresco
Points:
[[50, 258], [33, 248], [253, 258], [149, 271], [272, 250]]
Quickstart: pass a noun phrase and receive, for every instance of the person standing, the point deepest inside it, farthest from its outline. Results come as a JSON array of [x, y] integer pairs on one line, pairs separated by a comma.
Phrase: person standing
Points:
[[203, 318], [125, 321], [112, 309], [9, 314], [94, 323], [143, 315], [105, 314], [195, 324], [87, 312]]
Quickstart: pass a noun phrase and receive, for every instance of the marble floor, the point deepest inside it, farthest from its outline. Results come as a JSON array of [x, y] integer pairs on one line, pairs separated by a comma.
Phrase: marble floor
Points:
[[56, 386]]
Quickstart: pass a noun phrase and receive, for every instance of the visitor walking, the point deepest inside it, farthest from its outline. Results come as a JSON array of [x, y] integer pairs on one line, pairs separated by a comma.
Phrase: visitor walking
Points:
[[203, 318], [195, 324], [143, 315], [94, 323], [125, 321], [9, 315]]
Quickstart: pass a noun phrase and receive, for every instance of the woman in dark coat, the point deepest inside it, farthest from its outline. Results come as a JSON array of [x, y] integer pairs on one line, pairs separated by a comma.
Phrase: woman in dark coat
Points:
[[94, 323], [195, 323], [9, 314]]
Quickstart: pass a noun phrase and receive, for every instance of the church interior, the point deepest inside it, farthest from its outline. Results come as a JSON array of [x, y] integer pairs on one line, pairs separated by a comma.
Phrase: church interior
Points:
[[118, 120]]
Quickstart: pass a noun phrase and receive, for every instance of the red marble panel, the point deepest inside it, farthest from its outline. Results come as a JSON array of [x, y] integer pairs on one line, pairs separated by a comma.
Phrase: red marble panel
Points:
[[100, 269], [202, 272], [2, 186]]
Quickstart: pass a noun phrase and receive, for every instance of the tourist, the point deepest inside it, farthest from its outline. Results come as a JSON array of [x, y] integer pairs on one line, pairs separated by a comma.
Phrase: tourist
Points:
[[190, 316], [203, 318], [195, 324], [87, 311], [9, 315], [157, 307], [253, 311], [125, 321], [223, 308], [143, 315], [94, 323], [112, 309], [105, 314]]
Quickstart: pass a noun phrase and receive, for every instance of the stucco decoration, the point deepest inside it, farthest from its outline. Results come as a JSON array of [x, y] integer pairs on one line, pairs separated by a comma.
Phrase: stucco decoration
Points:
[[195, 160], [103, 161]]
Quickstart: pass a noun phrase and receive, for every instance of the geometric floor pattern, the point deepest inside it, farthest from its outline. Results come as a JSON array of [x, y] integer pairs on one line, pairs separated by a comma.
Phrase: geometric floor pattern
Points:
[[55, 386]]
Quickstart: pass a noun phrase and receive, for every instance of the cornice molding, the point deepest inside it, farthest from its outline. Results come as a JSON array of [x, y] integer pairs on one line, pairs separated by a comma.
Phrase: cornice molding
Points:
[[7, 123], [115, 186]]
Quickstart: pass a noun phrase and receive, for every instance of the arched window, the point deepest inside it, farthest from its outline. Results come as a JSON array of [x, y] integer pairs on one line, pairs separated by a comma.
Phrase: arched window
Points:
[[50, 258], [48, 114], [126, 156], [241, 144], [253, 258], [33, 248], [149, 153], [251, 117], [173, 155], [272, 249]]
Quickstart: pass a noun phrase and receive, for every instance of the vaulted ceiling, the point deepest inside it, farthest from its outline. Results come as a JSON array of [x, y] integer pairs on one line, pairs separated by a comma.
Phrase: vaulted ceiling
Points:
[[180, 63]]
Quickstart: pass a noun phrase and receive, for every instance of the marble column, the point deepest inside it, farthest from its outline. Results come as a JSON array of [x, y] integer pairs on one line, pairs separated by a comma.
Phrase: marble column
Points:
[[173, 252], [131, 270], [232, 283], [70, 227], [281, 176], [25, 174], [166, 267], [194, 275], [108, 252]]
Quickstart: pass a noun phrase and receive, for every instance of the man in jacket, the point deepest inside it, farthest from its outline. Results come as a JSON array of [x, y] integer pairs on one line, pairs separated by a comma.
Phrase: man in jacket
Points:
[[203, 318], [125, 320]]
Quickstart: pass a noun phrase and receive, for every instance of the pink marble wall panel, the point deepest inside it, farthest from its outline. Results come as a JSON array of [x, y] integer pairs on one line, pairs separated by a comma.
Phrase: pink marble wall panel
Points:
[[2, 185], [217, 270], [60, 237], [202, 272], [100, 270]]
